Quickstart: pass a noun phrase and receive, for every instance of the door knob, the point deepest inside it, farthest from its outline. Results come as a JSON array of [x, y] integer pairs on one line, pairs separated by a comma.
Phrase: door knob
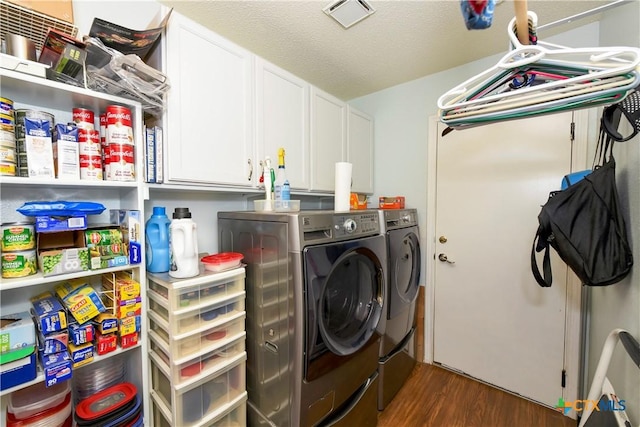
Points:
[[442, 239], [443, 258]]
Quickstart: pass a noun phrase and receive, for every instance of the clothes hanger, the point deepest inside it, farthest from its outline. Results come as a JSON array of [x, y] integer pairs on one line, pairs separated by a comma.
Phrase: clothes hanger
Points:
[[567, 78]]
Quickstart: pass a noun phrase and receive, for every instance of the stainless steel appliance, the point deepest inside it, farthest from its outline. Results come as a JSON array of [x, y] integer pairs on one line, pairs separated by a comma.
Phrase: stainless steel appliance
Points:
[[397, 356], [315, 293]]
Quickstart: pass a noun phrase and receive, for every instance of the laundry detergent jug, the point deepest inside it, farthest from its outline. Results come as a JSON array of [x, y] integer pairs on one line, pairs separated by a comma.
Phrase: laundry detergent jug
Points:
[[157, 241], [184, 245]]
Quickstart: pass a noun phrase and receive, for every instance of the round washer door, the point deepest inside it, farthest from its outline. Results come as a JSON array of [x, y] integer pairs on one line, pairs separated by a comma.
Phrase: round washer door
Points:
[[405, 270], [350, 303]]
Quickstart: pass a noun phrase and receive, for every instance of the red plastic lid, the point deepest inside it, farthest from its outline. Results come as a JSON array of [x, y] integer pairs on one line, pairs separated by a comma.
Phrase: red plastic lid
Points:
[[191, 370], [12, 421], [106, 401], [223, 257]]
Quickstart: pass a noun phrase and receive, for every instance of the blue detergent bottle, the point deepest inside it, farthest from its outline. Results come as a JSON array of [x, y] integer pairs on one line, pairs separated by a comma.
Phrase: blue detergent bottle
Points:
[[157, 240]]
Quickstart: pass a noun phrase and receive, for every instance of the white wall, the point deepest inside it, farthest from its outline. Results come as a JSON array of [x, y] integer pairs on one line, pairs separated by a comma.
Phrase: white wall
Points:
[[401, 129], [618, 305]]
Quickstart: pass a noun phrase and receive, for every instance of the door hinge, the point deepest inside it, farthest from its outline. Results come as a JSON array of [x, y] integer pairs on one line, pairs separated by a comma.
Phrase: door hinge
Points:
[[563, 381], [573, 131]]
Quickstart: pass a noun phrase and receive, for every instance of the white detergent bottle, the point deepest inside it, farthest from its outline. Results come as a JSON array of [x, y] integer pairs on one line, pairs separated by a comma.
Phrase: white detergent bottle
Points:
[[184, 245]]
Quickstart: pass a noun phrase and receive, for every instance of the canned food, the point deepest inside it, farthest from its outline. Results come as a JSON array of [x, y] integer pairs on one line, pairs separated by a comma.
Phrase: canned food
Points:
[[7, 155], [6, 118], [19, 264], [121, 162], [89, 141], [17, 236], [119, 129], [91, 167], [110, 236], [7, 135], [84, 118], [23, 172], [8, 169], [6, 106]]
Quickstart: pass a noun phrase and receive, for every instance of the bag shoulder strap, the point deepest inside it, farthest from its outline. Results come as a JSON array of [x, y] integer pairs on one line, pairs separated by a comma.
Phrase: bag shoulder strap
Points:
[[539, 245]]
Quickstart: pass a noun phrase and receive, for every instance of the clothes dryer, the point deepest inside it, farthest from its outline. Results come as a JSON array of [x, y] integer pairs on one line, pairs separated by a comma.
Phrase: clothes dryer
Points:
[[397, 355], [315, 288]]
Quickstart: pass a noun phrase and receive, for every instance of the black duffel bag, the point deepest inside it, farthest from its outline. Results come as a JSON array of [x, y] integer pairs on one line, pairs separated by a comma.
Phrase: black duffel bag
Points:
[[585, 225]]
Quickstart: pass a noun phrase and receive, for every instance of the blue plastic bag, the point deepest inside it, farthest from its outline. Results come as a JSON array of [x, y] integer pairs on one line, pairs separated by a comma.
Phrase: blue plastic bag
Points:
[[61, 208]]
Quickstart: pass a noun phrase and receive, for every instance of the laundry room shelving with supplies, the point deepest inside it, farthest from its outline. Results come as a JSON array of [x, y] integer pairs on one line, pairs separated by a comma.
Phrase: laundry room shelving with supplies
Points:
[[58, 99], [197, 349]]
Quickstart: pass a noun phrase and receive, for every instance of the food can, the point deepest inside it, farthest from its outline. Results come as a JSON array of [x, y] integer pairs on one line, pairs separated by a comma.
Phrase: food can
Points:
[[7, 169], [31, 114], [89, 142], [7, 135], [6, 106], [8, 155], [17, 236], [84, 118], [111, 236], [6, 118], [91, 167], [19, 264], [121, 162], [119, 129]]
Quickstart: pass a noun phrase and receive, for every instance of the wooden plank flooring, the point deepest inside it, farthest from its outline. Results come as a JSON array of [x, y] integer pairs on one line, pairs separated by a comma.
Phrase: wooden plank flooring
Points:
[[436, 397]]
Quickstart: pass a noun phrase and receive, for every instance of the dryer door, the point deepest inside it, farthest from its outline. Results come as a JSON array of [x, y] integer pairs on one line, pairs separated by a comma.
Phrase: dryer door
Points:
[[404, 253], [345, 293]]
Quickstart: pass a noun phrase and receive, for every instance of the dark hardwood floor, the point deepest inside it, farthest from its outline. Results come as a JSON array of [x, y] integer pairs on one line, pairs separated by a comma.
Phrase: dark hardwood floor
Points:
[[435, 397]]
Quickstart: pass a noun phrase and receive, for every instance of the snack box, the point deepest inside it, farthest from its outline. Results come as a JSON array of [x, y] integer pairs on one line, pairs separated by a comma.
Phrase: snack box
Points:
[[53, 343], [81, 354], [62, 252], [50, 224], [56, 367], [17, 336], [81, 334], [130, 224], [18, 372], [82, 301], [396, 202], [49, 314]]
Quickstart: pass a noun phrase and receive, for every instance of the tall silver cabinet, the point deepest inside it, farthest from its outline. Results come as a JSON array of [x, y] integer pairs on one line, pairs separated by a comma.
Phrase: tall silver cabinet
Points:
[[30, 92], [197, 349]]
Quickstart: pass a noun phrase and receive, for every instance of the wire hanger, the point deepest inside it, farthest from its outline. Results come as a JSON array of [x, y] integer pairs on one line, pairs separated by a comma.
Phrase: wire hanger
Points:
[[541, 78]]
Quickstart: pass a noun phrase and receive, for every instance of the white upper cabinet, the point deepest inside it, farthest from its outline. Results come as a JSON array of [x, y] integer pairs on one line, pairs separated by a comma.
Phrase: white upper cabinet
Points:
[[328, 138], [209, 107], [282, 120], [360, 150]]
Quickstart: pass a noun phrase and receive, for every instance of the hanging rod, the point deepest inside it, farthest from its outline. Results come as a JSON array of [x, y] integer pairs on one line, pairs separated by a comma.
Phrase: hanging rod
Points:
[[583, 14]]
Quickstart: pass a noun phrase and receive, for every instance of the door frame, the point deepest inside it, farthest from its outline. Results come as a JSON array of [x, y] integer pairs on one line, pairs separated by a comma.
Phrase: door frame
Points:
[[574, 309]]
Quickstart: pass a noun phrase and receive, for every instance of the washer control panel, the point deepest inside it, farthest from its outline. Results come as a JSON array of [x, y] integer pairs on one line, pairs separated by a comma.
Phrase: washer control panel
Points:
[[356, 224]]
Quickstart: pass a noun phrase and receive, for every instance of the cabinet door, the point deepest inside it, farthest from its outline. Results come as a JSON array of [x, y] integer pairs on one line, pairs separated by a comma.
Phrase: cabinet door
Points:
[[360, 150], [282, 120], [209, 125], [328, 138]]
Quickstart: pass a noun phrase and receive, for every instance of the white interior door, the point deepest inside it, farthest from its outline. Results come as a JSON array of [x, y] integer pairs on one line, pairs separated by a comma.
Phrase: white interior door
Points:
[[491, 319]]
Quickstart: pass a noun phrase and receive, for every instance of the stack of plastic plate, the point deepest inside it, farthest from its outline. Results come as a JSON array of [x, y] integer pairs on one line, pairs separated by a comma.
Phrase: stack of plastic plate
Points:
[[98, 377]]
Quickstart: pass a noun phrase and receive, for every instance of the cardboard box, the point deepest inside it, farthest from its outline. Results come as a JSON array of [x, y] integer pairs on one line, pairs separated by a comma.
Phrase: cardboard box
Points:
[[106, 247], [129, 325], [49, 314], [56, 367], [106, 343], [18, 372], [130, 224], [17, 336], [63, 54], [61, 253], [129, 308], [81, 334], [106, 323], [53, 343], [59, 9], [396, 202], [81, 354], [49, 224], [130, 340], [82, 301]]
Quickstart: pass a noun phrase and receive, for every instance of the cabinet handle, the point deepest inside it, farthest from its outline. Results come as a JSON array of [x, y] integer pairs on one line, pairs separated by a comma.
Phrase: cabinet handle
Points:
[[250, 169]]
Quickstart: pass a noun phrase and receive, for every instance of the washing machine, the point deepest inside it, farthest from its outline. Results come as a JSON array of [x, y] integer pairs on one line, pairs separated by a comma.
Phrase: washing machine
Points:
[[398, 326], [315, 283]]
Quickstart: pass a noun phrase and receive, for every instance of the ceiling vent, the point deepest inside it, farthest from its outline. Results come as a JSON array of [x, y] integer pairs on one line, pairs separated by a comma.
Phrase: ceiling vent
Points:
[[349, 12]]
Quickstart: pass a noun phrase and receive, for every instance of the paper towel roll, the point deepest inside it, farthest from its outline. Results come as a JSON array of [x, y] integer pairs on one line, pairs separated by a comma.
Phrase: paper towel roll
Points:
[[342, 186]]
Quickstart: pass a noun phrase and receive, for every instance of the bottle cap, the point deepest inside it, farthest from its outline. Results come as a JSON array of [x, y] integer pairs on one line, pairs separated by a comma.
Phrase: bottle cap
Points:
[[180, 213], [159, 210]]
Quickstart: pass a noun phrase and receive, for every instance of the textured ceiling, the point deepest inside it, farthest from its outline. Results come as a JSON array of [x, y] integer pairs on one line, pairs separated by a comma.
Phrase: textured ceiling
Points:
[[401, 41]]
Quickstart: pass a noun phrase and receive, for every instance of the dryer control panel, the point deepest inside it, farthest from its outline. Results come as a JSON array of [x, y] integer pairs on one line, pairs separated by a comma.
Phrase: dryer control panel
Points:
[[356, 224], [322, 226]]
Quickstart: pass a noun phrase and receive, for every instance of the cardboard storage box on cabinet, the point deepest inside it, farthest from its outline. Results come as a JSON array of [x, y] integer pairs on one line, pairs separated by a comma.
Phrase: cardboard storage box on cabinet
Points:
[[60, 9]]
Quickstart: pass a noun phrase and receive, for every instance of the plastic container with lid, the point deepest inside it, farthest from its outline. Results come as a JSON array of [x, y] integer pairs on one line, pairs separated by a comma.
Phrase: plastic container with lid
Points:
[[56, 416], [222, 261], [37, 398]]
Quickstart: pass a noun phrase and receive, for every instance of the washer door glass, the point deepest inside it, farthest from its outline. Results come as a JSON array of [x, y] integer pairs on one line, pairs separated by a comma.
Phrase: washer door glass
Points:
[[350, 302], [406, 268]]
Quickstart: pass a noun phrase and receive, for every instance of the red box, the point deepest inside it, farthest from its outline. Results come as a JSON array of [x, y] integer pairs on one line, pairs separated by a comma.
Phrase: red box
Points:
[[396, 202], [130, 340], [106, 343]]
